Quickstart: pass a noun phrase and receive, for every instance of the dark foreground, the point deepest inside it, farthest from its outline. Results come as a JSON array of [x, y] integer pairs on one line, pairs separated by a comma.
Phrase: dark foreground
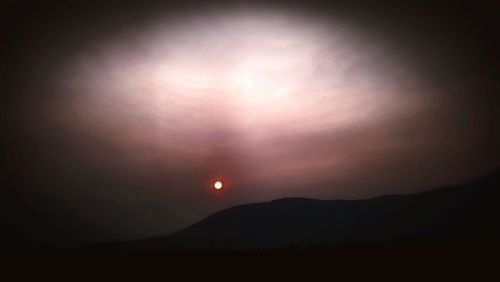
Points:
[[450, 232], [402, 262]]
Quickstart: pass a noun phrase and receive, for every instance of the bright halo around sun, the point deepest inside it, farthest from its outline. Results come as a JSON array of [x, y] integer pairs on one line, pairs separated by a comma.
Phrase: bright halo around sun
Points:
[[218, 185]]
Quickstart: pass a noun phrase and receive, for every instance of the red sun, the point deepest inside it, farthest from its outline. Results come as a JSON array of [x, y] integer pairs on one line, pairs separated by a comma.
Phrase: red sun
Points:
[[218, 185]]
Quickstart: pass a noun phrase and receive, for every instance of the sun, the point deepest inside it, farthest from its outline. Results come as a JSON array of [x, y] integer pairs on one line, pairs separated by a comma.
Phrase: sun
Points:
[[218, 185]]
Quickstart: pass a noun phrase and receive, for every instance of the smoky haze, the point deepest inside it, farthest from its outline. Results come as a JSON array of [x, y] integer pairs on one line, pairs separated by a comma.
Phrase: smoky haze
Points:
[[121, 115]]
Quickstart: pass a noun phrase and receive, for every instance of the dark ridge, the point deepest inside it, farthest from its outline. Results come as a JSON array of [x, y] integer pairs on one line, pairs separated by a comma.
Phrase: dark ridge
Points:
[[460, 214]]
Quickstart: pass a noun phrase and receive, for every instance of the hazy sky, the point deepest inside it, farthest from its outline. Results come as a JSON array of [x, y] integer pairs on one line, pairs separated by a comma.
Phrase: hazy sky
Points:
[[120, 117]]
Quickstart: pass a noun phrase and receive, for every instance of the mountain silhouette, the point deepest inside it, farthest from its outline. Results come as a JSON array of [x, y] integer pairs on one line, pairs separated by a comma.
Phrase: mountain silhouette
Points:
[[465, 213]]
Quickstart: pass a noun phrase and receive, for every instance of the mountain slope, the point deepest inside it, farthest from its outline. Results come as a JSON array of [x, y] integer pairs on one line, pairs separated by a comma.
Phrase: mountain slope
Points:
[[463, 213]]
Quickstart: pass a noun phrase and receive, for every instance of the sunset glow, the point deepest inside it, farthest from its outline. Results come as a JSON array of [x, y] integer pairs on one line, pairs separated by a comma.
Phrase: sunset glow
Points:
[[148, 120], [273, 78]]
